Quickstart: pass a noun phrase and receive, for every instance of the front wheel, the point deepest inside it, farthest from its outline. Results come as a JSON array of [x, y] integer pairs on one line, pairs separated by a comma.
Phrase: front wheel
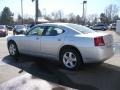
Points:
[[13, 50], [71, 59], [14, 32]]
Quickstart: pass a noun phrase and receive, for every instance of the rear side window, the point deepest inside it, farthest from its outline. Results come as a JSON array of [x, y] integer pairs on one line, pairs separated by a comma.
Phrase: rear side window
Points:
[[53, 31], [59, 31]]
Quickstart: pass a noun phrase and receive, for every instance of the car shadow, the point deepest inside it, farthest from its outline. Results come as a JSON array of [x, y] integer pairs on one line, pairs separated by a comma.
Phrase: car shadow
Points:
[[89, 77], [45, 69]]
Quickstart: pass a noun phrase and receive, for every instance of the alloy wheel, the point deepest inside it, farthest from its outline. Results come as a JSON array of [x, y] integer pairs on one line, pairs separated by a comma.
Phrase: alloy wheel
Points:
[[12, 49], [69, 59]]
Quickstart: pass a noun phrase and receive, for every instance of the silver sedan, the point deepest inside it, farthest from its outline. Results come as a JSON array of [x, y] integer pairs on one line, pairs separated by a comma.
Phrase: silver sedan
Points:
[[71, 44]]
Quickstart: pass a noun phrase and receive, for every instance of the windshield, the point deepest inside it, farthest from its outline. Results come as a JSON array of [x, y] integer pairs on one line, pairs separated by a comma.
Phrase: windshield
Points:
[[80, 28], [101, 25]]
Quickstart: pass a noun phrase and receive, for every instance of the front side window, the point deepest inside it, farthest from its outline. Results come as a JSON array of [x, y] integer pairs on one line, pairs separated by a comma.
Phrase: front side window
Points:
[[53, 31], [36, 31]]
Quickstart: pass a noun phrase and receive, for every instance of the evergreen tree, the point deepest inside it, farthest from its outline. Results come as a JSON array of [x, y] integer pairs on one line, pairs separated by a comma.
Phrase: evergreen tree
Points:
[[6, 17]]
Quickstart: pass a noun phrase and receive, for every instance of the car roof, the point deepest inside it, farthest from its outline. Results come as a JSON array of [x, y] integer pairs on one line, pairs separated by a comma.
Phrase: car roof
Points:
[[56, 24]]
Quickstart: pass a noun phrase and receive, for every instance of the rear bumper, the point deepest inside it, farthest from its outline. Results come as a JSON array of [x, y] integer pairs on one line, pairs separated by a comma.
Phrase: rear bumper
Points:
[[3, 34], [97, 54]]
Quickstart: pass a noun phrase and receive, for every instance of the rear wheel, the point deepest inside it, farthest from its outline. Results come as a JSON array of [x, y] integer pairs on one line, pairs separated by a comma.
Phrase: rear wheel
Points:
[[13, 50], [71, 59]]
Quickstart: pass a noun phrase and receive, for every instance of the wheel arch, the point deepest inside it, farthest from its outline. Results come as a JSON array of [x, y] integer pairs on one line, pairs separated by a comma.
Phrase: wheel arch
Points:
[[10, 42], [70, 47]]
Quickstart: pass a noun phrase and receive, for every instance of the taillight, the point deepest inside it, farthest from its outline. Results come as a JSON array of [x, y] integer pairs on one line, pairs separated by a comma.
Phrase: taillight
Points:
[[99, 41]]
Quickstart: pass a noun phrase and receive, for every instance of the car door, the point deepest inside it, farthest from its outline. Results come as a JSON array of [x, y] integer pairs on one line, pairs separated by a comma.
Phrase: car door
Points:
[[32, 41], [51, 41]]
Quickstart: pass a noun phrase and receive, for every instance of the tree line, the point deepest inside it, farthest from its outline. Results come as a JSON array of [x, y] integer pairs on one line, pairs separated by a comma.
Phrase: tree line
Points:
[[110, 15]]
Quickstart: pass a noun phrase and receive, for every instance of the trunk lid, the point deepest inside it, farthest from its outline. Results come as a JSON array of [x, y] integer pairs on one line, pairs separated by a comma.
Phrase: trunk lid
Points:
[[108, 38]]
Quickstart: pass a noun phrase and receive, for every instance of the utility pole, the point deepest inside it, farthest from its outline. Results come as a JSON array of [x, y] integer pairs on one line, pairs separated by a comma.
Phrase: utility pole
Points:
[[84, 2], [22, 10], [36, 11]]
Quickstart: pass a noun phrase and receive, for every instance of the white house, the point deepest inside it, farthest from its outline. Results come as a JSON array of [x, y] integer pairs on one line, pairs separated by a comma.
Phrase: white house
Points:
[[118, 26]]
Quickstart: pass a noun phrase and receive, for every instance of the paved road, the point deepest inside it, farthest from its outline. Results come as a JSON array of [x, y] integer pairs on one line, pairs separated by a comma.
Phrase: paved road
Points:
[[43, 74]]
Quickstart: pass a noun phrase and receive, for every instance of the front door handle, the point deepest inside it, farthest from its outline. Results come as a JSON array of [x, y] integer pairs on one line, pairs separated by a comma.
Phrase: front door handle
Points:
[[59, 39]]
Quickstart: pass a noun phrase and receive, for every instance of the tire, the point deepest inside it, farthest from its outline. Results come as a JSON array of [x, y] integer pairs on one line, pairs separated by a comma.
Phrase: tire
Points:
[[13, 50], [71, 59], [103, 29], [14, 33], [6, 34]]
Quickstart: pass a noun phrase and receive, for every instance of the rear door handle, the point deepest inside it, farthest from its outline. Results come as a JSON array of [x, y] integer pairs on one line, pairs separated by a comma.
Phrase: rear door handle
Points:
[[37, 38]]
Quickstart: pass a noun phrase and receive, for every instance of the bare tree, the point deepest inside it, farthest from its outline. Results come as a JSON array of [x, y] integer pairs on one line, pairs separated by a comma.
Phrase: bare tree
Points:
[[54, 16], [103, 18], [92, 19], [71, 17], [19, 19], [60, 14], [57, 16], [78, 19], [111, 11]]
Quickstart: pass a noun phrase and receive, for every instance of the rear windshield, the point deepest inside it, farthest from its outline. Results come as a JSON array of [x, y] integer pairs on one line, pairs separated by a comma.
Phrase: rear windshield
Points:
[[100, 25], [80, 28]]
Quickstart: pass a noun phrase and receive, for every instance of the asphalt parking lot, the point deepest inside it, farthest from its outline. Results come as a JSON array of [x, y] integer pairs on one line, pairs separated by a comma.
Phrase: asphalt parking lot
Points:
[[31, 73]]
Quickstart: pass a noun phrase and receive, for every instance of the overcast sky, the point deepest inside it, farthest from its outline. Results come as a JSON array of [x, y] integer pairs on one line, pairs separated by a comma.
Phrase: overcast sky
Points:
[[67, 6]]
